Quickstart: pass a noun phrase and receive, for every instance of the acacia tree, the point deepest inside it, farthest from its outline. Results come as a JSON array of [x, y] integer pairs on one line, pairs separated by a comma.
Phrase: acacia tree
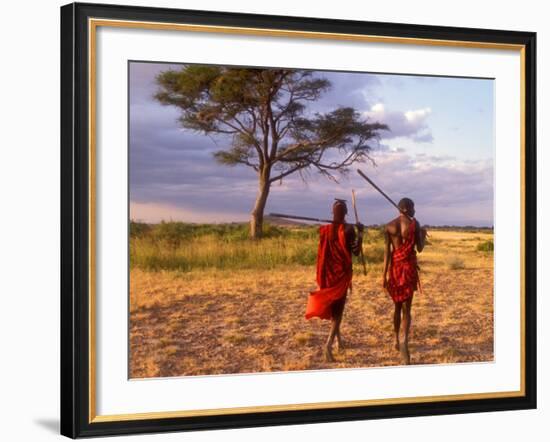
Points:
[[264, 114]]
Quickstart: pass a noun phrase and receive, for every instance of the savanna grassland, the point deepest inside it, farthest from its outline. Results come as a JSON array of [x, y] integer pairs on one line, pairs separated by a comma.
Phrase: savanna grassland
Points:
[[204, 299]]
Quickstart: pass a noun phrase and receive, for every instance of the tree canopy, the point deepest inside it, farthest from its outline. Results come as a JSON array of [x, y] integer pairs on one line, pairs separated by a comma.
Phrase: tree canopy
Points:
[[270, 128]]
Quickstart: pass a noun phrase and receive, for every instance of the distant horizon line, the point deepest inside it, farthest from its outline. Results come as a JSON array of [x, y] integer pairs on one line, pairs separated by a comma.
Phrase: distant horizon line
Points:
[[296, 223]]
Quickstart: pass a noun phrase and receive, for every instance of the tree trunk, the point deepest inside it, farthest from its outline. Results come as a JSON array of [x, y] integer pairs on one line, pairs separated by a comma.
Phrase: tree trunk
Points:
[[257, 215]]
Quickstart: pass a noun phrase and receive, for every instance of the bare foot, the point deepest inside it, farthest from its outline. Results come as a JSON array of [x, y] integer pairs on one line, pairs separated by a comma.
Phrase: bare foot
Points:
[[328, 355], [341, 345], [397, 345]]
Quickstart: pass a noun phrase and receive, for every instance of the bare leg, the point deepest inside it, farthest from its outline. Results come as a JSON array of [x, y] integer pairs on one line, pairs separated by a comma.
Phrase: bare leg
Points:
[[328, 346], [406, 327], [397, 323], [337, 314], [339, 339], [338, 335]]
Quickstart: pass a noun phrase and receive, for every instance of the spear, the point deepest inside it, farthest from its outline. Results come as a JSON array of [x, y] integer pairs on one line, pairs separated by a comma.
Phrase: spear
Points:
[[304, 218], [357, 222], [360, 172], [301, 218]]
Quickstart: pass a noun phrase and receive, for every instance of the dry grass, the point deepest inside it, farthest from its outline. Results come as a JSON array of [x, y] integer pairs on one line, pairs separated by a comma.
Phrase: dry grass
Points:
[[239, 321]]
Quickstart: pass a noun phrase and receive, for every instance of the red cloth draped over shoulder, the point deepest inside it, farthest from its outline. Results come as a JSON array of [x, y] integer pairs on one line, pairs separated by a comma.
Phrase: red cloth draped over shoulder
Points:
[[334, 271], [403, 278]]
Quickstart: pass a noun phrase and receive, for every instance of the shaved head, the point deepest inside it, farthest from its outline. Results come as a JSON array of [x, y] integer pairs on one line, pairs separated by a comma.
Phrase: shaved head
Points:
[[339, 210], [406, 205]]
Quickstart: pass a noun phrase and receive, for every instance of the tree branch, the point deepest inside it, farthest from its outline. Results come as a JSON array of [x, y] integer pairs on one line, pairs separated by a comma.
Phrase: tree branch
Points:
[[288, 172]]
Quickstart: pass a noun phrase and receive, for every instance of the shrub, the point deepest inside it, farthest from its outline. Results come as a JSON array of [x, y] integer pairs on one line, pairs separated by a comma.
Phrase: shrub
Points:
[[138, 229], [455, 263], [486, 246]]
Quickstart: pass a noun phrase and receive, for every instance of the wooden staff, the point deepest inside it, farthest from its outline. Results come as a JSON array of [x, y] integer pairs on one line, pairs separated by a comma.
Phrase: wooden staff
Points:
[[357, 222]]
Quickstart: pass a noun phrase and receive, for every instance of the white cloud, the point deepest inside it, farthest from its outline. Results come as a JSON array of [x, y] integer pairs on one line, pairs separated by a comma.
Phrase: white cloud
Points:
[[411, 123], [414, 116]]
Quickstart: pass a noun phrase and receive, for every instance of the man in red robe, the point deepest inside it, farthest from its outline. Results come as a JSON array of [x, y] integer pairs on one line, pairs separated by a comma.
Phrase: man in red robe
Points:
[[403, 238], [337, 242]]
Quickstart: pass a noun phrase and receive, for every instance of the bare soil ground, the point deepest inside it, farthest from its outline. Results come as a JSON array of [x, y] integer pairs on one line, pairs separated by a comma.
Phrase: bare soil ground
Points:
[[219, 322]]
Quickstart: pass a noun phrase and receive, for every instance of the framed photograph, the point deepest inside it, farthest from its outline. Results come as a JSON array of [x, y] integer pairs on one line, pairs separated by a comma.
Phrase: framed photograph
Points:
[[273, 220]]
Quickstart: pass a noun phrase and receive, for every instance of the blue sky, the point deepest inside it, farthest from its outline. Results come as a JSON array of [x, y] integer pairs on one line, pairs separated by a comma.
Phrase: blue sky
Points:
[[439, 152]]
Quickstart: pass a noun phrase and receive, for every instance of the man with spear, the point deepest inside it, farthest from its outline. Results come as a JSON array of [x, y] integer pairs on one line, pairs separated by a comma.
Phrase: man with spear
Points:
[[403, 237], [337, 242]]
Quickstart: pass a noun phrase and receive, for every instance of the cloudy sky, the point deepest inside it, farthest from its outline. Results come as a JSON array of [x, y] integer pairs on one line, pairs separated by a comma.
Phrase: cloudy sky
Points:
[[439, 152]]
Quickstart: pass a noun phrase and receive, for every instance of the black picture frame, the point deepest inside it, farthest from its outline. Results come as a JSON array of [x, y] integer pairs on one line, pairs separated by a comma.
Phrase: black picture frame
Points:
[[75, 221]]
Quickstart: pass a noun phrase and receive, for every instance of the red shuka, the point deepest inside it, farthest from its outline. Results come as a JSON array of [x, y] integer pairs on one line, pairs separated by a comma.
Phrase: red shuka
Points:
[[334, 272], [403, 279]]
